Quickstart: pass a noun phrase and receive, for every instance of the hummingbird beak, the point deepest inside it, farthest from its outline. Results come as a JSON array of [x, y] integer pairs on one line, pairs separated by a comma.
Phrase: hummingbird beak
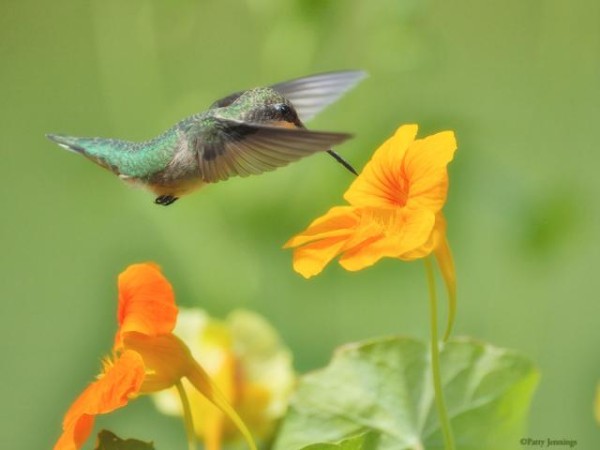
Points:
[[342, 161], [336, 156]]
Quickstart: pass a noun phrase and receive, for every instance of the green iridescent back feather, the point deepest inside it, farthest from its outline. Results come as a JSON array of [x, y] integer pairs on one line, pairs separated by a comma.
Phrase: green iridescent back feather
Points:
[[142, 160]]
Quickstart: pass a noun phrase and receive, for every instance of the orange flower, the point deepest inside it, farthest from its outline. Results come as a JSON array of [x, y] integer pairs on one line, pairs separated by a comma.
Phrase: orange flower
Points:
[[147, 357], [395, 211]]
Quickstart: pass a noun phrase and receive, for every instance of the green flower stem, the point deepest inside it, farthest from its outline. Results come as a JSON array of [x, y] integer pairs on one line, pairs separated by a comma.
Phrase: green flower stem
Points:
[[435, 360], [187, 416]]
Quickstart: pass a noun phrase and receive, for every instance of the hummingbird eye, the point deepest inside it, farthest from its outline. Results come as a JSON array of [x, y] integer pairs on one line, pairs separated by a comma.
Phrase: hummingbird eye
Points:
[[285, 112], [283, 108]]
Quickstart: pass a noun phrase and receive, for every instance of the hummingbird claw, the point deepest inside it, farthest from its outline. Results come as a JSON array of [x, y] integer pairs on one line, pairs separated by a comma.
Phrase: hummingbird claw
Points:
[[165, 200]]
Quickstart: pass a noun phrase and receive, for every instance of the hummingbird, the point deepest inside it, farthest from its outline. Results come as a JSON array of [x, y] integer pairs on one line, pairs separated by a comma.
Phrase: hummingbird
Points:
[[246, 133]]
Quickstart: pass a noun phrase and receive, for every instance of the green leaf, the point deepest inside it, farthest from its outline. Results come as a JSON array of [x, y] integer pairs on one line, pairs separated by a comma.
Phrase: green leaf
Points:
[[107, 440], [385, 386], [364, 441]]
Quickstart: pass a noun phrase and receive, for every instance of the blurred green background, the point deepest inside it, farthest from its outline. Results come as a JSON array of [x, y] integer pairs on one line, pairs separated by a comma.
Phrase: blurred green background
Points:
[[517, 80]]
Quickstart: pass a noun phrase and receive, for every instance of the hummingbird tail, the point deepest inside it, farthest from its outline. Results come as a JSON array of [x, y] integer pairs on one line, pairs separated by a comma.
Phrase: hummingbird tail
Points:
[[66, 142], [342, 161]]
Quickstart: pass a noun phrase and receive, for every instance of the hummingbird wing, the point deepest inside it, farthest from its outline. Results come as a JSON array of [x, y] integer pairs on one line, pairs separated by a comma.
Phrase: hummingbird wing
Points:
[[311, 94], [239, 148]]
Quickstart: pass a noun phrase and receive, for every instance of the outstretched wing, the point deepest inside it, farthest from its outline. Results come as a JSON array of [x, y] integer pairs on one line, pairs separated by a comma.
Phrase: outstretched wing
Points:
[[236, 148], [311, 94]]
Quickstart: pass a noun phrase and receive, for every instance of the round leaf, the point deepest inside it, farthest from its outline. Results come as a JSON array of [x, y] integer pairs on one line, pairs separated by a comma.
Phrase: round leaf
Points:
[[385, 386]]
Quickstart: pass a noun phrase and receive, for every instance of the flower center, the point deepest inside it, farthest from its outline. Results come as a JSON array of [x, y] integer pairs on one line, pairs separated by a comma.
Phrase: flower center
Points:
[[394, 185], [387, 220], [401, 186]]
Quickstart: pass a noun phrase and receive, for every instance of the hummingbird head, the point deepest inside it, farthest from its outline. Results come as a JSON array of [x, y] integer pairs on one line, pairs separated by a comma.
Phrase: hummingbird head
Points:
[[264, 105]]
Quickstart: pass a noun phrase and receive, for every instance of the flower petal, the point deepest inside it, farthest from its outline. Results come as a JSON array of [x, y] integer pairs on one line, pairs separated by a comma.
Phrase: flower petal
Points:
[[146, 301], [432, 243], [322, 240], [202, 382], [335, 222], [425, 165], [310, 259], [118, 384], [409, 230], [246, 359], [75, 436], [166, 358], [211, 424], [382, 182]]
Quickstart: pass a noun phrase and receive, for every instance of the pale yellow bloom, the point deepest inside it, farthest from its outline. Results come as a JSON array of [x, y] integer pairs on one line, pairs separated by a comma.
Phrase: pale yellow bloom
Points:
[[247, 361]]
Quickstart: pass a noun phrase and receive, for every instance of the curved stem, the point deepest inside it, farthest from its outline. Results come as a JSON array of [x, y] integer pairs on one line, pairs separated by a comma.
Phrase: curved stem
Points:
[[187, 416], [446, 266], [435, 360]]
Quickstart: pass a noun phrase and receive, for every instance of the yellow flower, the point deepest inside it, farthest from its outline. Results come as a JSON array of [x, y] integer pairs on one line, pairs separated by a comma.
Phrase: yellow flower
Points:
[[147, 357], [394, 211], [245, 358]]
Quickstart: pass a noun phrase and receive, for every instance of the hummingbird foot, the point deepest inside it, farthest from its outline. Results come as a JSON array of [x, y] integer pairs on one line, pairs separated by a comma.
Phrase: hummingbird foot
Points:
[[165, 200]]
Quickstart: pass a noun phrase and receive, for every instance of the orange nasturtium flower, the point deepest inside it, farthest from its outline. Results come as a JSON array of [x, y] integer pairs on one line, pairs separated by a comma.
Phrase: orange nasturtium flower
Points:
[[147, 357], [395, 211]]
